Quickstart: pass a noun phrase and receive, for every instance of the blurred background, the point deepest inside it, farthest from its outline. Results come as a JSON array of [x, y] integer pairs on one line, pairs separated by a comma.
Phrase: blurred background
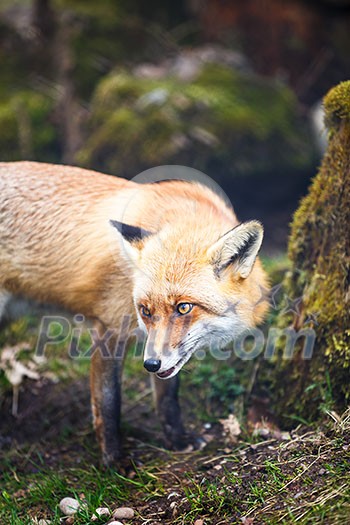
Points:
[[231, 88]]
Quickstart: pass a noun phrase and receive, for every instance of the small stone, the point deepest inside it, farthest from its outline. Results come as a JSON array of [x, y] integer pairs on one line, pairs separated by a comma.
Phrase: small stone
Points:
[[173, 495], [285, 436], [123, 513], [262, 432], [115, 523], [44, 522], [69, 506], [201, 443], [298, 494], [199, 522], [322, 471], [173, 506], [100, 511], [189, 448]]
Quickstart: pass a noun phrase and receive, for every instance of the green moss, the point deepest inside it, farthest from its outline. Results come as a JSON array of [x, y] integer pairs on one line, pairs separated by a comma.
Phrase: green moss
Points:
[[337, 104], [319, 250]]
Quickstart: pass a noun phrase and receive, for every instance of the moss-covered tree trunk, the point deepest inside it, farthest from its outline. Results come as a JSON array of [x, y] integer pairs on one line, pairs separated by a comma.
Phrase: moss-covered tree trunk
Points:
[[319, 249]]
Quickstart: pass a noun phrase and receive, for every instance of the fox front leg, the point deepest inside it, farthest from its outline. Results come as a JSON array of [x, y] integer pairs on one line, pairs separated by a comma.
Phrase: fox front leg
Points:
[[168, 409], [105, 384]]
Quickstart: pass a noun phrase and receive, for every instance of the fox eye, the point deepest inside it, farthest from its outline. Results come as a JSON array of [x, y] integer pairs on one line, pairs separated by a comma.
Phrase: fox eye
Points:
[[184, 308], [145, 312]]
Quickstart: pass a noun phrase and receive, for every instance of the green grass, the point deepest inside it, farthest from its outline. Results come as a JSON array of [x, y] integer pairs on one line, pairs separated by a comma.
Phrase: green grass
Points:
[[209, 498], [88, 484]]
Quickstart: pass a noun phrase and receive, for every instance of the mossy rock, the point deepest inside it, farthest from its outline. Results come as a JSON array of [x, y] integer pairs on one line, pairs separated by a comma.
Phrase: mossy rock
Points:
[[215, 119], [319, 250]]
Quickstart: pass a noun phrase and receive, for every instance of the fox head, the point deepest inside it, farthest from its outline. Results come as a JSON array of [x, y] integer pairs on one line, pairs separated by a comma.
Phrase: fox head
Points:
[[194, 288]]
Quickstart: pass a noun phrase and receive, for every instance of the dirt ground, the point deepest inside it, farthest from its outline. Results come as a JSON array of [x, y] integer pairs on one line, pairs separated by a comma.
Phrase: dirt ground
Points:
[[300, 476]]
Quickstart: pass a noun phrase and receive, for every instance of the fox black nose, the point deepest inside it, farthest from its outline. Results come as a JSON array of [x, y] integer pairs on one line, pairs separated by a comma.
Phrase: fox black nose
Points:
[[152, 365]]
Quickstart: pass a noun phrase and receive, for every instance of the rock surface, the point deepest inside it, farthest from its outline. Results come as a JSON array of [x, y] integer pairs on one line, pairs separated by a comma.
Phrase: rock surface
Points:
[[69, 506], [123, 513]]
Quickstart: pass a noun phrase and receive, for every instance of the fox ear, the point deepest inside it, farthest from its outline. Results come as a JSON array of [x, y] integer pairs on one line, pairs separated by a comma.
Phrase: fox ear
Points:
[[130, 233], [133, 235], [237, 248]]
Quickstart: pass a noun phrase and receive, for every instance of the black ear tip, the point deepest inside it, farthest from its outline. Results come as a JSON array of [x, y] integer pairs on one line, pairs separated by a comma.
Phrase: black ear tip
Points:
[[115, 224], [130, 233]]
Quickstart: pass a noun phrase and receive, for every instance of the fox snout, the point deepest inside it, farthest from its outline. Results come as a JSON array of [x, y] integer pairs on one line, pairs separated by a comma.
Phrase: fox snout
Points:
[[162, 355]]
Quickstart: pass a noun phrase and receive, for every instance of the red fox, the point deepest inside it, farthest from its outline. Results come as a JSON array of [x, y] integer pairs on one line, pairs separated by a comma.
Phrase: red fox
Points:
[[172, 255]]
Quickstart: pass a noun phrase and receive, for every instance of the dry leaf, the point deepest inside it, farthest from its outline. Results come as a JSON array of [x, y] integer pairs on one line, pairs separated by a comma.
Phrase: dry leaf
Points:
[[231, 428], [15, 371]]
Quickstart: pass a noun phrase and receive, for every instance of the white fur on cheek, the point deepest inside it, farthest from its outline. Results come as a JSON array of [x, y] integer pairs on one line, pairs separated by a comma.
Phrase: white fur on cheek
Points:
[[213, 333]]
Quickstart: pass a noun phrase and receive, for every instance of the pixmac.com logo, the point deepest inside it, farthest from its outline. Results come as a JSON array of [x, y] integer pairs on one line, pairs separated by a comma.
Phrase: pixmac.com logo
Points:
[[82, 341]]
